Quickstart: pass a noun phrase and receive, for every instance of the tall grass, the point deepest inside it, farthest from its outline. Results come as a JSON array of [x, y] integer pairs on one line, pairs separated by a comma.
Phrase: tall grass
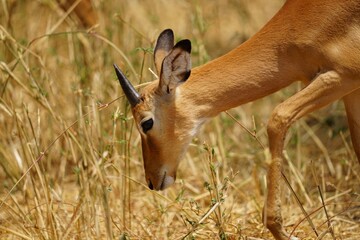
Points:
[[70, 157]]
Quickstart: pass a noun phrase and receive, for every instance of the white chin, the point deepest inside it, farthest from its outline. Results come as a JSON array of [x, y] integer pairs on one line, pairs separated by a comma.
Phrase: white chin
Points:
[[168, 181]]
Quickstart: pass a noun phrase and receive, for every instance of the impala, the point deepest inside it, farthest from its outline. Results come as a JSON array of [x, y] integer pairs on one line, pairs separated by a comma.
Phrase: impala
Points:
[[316, 42]]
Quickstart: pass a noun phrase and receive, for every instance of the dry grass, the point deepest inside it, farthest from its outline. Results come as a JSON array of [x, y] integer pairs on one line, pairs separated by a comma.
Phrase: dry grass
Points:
[[71, 163]]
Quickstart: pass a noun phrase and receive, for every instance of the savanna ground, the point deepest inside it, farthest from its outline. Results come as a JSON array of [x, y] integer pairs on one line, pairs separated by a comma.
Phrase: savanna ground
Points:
[[71, 165]]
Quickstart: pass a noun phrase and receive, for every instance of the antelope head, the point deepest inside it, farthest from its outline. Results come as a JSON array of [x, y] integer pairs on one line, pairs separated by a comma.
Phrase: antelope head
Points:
[[160, 111]]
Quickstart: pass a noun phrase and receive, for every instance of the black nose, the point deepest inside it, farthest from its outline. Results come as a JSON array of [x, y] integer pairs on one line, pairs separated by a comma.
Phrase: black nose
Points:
[[150, 185]]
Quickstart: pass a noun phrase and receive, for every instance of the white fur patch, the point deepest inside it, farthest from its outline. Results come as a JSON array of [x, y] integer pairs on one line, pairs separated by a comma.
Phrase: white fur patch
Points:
[[177, 92], [197, 126], [168, 181]]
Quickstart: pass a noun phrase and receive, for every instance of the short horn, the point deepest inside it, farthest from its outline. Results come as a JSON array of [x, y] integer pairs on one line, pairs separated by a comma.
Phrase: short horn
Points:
[[131, 94]]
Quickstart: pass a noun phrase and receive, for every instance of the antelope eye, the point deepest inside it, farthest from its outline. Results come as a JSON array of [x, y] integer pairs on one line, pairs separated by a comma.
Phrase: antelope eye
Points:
[[147, 125]]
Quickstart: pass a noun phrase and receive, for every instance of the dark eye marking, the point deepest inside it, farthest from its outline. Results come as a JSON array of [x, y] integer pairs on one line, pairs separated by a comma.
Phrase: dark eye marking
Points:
[[147, 125]]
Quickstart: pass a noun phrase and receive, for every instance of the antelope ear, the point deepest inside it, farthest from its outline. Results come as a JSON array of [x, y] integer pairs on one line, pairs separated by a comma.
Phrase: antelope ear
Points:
[[164, 44], [176, 67]]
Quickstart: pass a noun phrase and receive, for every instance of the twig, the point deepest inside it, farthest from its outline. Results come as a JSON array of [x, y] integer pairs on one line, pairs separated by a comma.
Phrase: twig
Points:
[[300, 205], [206, 215], [247, 130], [48, 148], [326, 213]]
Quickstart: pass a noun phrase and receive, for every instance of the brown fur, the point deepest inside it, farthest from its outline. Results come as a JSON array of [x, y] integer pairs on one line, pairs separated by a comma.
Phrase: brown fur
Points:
[[317, 42], [83, 10]]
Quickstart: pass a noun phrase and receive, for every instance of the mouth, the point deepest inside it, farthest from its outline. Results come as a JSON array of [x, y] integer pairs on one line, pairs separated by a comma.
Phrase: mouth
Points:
[[162, 185], [165, 182]]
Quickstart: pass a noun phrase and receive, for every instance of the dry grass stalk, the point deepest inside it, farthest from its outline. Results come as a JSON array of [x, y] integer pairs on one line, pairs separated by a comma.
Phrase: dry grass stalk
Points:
[[70, 162]]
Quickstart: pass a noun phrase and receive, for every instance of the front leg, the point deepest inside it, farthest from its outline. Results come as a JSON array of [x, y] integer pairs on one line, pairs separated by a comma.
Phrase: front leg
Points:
[[323, 90], [277, 128], [272, 209]]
